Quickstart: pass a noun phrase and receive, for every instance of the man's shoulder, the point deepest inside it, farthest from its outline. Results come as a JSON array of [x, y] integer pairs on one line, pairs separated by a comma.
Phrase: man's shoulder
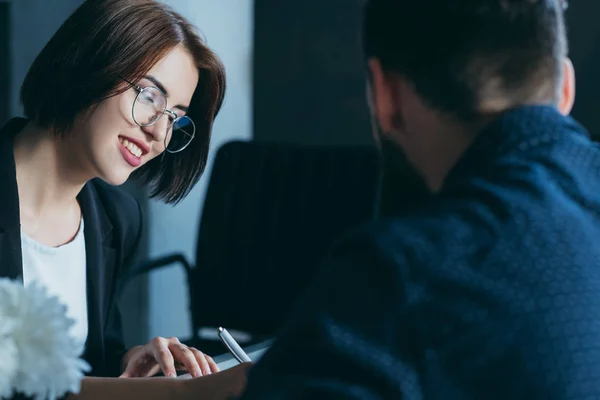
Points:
[[422, 234], [445, 239], [490, 227]]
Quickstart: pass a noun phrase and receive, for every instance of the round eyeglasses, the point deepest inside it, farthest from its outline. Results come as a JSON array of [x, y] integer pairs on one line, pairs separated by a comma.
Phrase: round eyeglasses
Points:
[[150, 105]]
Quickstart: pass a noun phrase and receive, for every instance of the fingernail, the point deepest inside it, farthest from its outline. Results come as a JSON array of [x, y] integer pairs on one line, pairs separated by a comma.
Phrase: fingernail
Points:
[[172, 375], [197, 372]]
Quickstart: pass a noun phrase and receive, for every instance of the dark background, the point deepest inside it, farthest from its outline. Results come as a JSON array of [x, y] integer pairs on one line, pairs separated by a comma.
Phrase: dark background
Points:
[[309, 82]]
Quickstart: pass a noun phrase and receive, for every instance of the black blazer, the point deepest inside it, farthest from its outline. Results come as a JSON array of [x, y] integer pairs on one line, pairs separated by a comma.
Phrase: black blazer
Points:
[[112, 231]]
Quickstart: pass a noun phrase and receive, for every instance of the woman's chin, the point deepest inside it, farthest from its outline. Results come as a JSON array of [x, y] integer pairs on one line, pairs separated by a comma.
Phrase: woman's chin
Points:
[[117, 178]]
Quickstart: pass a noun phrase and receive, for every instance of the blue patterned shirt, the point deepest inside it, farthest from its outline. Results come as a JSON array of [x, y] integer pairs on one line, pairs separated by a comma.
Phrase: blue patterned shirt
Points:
[[489, 291]]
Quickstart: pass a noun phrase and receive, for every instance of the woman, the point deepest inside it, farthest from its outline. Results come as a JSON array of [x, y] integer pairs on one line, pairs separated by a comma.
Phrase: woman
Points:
[[123, 88]]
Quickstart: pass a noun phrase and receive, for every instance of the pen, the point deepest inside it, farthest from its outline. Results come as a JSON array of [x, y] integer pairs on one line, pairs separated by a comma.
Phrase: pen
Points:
[[233, 347]]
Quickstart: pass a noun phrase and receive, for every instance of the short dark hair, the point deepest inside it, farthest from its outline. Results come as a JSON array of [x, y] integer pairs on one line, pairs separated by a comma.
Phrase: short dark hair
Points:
[[464, 56], [105, 42]]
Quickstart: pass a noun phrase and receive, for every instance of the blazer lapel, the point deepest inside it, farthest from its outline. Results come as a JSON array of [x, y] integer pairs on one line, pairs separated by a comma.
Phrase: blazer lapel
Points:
[[11, 260], [100, 256]]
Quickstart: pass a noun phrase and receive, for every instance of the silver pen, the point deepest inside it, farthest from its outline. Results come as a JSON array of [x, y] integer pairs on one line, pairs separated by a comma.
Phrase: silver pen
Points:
[[233, 347]]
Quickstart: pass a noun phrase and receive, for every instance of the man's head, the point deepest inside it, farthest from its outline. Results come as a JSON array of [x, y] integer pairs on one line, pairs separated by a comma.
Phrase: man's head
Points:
[[440, 69]]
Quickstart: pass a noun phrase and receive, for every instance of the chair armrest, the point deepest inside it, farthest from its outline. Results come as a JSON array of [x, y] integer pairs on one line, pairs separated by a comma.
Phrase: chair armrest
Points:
[[154, 264]]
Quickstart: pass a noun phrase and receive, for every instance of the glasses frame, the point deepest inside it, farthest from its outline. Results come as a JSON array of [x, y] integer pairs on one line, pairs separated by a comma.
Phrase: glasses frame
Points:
[[140, 89]]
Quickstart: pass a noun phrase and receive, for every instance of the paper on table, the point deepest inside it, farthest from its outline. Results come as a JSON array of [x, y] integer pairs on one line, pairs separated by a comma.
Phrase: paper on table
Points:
[[227, 361]]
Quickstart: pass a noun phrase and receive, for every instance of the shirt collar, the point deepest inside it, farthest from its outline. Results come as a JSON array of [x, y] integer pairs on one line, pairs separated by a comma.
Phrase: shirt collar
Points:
[[518, 129]]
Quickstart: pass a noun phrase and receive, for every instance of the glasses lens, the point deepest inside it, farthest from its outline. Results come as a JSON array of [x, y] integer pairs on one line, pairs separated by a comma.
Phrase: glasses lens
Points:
[[148, 106], [181, 135]]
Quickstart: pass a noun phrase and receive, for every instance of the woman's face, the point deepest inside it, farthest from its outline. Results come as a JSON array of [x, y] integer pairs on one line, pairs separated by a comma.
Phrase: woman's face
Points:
[[110, 143]]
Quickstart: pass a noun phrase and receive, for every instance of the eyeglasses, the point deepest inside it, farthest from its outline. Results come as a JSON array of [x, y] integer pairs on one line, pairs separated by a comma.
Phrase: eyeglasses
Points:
[[150, 105]]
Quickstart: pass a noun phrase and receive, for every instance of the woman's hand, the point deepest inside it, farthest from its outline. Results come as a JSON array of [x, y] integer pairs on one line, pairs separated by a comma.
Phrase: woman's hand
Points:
[[168, 356]]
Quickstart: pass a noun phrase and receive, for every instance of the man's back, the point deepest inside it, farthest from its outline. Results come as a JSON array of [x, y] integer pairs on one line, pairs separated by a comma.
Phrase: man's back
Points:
[[489, 292]]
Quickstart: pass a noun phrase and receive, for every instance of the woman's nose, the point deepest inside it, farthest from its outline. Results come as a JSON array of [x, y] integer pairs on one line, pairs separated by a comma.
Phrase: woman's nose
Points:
[[158, 130]]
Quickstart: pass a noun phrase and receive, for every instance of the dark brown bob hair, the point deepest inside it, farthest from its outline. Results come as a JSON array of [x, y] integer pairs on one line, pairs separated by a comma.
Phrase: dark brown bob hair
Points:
[[105, 42]]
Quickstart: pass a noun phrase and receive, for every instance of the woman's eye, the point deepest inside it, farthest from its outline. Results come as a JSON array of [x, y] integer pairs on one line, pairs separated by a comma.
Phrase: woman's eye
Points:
[[147, 98]]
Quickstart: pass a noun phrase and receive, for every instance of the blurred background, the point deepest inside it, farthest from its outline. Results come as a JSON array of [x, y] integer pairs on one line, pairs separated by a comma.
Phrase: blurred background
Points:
[[295, 75]]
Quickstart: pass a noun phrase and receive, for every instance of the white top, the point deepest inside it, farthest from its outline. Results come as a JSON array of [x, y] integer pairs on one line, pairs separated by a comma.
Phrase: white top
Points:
[[62, 271]]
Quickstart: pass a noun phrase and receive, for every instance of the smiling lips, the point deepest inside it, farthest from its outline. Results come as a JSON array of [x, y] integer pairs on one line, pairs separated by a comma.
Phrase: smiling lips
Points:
[[132, 147], [132, 151]]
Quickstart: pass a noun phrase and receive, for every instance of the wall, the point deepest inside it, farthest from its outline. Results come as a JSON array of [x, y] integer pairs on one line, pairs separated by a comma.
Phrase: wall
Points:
[[584, 33], [228, 28], [33, 22], [310, 84], [309, 74], [5, 61]]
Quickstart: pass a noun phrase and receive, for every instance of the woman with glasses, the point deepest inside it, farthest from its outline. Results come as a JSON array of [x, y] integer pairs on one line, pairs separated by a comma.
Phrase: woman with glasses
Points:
[[123, 89]]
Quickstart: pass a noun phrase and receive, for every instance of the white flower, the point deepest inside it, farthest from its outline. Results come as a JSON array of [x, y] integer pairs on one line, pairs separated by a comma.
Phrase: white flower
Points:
[[8, 355], [47, 357]]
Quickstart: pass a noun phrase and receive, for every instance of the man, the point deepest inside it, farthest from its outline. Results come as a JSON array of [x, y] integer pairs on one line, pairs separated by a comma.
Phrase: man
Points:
[[490, 290]]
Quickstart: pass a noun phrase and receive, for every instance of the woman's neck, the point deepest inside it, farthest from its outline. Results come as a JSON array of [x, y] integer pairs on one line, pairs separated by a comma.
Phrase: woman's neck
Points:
[[47, 179]]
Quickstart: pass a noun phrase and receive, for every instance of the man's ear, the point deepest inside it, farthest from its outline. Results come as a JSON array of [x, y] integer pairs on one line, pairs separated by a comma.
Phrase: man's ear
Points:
[[567, 91], [380, 96]]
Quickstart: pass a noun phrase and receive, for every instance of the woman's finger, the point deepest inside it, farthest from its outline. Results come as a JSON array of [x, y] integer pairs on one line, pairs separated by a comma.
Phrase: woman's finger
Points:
[[212, 364], [202, 360], [164, 358], [184, 355]]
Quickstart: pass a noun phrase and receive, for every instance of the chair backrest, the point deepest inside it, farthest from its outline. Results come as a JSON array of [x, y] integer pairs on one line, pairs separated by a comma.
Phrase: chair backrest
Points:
[[270, 214]]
